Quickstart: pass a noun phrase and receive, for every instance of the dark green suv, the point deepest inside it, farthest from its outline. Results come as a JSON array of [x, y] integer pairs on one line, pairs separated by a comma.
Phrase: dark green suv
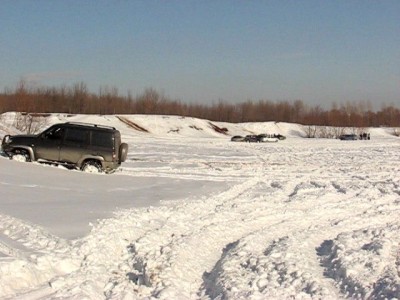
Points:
[[89, 147]]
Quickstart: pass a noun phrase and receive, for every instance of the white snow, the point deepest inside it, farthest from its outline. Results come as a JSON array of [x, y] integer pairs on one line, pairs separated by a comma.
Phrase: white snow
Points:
[[191, 215]]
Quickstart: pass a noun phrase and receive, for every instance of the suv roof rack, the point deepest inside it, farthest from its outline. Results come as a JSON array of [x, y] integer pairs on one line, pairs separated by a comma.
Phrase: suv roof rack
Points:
[[91, 124]]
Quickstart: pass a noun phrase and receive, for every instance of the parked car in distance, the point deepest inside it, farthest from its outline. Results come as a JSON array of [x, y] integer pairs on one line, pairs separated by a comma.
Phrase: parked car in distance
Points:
[[280, 137], [267, 138], [88, 147], [348, 137], [251, 138], [237, 138]]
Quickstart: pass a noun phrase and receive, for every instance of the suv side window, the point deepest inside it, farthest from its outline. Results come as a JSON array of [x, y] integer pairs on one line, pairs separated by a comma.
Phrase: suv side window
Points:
[[76, 136], [102, 139], [54, 134]]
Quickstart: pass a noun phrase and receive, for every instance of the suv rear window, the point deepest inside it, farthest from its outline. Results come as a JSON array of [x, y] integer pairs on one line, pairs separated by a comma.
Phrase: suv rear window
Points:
[[102, 139]]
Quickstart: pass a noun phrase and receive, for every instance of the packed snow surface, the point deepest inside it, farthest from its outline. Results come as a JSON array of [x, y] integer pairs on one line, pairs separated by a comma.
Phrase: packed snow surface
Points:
[[192, 215]]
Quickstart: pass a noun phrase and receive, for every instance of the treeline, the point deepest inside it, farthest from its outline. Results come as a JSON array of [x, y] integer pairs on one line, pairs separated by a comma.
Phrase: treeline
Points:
[[78, 100]]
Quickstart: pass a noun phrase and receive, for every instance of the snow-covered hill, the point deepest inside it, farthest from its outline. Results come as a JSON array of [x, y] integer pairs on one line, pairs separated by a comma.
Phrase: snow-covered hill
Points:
[[191, 215], [164, 126], [174, 126]]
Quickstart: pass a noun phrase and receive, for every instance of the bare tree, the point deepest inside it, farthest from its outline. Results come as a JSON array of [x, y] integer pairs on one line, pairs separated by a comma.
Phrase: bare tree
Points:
[[30, 122], [354, 117], [310, 131]]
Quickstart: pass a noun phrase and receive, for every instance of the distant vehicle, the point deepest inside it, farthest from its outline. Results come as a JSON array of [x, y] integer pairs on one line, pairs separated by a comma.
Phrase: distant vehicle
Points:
[[88, 147], [237, 138], [251, 138], [365, 136], [267, 138], [280, 137], [348, 137], [260, 138]]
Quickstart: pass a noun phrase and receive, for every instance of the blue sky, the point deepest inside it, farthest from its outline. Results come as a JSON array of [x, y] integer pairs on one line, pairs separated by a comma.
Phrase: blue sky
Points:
[[205, 51]]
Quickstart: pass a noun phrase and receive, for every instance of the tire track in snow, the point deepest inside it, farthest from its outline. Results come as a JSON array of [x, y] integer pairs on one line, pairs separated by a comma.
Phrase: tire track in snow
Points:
[[98, 250], [32, 237], [376, 276], [13, 249], [195, 170], [161, 266], [33, 257], [166, 225], [181, 246], [267, 257]]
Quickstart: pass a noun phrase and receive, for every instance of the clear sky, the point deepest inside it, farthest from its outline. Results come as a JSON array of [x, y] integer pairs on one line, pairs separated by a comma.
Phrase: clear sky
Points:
[[204, 51]]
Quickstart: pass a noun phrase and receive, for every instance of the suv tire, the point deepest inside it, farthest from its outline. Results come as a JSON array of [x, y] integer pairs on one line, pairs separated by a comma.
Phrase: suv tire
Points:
[[123, 152], [20, 155], [92, 166]]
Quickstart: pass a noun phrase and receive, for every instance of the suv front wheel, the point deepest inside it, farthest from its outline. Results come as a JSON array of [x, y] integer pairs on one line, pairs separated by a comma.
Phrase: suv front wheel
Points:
[[20, 155], [91, 166]]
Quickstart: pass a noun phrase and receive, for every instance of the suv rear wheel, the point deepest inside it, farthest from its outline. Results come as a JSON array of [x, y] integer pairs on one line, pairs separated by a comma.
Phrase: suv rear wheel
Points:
[[91, 166]]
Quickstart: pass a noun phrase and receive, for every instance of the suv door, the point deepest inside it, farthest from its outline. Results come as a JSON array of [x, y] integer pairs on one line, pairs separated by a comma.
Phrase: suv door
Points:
[[74, 145], [48, 144]]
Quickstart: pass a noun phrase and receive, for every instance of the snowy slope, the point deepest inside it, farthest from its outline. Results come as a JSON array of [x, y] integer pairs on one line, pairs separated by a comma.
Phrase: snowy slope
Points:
[[174, 126], [192, 215]]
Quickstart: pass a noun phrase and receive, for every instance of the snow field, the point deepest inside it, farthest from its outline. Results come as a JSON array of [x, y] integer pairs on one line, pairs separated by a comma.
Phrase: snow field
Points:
[[302, 219]]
